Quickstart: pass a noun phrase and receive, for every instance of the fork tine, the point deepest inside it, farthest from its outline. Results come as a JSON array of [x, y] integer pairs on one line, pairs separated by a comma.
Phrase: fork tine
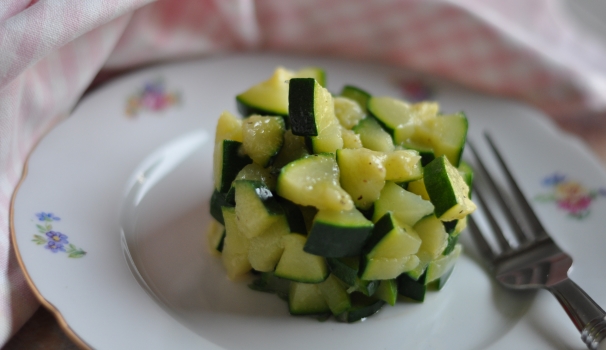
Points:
[[517, 229], [480, 241], [533, 220], [494, 225]]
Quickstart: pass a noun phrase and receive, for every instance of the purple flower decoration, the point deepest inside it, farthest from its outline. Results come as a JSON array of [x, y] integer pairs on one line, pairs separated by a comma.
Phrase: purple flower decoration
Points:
[[57, 237], [416, 90], [42, 216], [54, 246], [553, 180], [154, 87], [152, 97], [569, 195], [53, 240]]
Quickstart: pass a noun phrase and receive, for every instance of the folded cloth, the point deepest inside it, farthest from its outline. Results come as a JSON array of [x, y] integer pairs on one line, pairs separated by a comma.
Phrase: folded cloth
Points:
[[53, 49]]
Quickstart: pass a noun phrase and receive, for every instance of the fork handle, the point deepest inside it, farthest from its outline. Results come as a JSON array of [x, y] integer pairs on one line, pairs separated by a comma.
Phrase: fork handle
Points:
[[586, 314]]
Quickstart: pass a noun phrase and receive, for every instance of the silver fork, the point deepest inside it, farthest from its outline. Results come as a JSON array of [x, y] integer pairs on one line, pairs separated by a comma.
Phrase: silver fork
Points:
[[535, 261]]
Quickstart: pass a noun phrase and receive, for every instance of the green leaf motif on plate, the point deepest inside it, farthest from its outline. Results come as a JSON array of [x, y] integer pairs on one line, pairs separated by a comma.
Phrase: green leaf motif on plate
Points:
[[39, 240], [54, 241]]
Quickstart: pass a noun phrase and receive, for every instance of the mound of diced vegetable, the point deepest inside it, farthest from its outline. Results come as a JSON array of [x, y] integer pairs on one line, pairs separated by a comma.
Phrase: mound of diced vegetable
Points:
[[338, 203]]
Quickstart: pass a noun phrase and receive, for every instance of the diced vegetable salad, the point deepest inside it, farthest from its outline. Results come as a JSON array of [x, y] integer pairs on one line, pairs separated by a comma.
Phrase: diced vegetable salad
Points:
[[338, 203]]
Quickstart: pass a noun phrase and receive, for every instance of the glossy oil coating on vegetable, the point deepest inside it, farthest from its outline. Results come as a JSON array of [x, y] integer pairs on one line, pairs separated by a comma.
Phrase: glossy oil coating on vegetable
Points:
[[338, 203]]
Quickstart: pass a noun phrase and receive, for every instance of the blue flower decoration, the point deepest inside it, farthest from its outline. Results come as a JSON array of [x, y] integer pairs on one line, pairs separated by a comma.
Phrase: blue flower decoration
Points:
[[553, 180], [155, 86], [54, 246], [53, 240], [47, 217], [57, 237]]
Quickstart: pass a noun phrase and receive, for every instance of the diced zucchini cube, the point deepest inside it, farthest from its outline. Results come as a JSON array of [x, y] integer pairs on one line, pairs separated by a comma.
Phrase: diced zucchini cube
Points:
[[338, 234], [298, 265], [434, 241], [266, 249], [306, 299], [256, 207], [355, 93], [395, 116], [412, 288], [215, 235], [403, 166], [235, 246], [269, 97], [447, 190], [388, 291], [348, 112], [229, 127], [255, 172], [314, 181], [228, 160], [443, 264], [373, 136], [362, 306], [390, 250], [312, 114], [362, 174], [350, 139], [335, 295], [406, 206], [262, 138]]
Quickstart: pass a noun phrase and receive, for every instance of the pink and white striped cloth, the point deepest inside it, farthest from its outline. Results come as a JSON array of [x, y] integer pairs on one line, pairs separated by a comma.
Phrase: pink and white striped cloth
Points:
[[51, 50]]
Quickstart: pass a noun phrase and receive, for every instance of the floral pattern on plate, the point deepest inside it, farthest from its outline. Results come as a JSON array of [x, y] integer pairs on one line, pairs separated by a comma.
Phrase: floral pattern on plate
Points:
[[415, 89], [54, 241], [569, 195], [152, 97]]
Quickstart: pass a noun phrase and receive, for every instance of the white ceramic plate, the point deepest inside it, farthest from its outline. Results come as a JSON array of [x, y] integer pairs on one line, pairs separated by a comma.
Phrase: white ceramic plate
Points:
[[128, 183]]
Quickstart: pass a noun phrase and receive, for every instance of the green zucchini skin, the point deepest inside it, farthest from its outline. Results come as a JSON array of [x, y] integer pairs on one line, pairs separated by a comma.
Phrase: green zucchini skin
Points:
[[246, 109], [355, 93], [306, 299], [441, 282], [426, 153], [441, 185], [449, 226], [334, 238], [382, 228], [452, 241], [335, 295], [388, 291], [218, 200], [256, 207], [269, 283], [335, 241], [455, 123], [411, 288], [346, 269], [362, 307], [294, 216], [263, 193], [466, 172], [301, 101], [219, 246], [233, 161], [373, 136]]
